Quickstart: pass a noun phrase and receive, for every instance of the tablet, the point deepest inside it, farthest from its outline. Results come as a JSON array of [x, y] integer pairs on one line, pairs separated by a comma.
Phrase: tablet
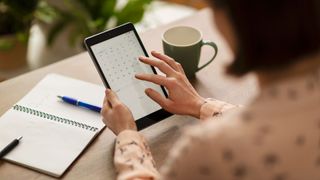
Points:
[[115, 54]]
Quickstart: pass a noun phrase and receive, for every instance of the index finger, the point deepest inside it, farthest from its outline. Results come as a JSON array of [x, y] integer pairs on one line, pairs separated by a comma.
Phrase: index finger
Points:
[[154, 78], [161, 65]]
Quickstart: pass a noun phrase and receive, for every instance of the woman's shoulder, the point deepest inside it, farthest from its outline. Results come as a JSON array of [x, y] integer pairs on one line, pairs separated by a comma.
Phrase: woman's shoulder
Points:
[[221, 146], [207, 149], [249, 142], [234, 132]]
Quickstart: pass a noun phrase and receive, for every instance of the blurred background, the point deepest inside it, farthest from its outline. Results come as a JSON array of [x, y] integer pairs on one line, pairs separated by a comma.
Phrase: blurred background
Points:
[[36, 33]]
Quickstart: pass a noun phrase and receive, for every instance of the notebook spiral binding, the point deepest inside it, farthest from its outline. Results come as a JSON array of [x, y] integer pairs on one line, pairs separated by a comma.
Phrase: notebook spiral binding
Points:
[[54, 118]]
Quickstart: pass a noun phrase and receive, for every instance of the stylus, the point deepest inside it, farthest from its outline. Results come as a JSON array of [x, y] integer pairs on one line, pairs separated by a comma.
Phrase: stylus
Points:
[[76, 102]]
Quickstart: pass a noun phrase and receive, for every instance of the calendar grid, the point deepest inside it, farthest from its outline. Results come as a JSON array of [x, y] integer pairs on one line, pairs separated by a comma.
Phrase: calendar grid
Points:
[[118, 59]]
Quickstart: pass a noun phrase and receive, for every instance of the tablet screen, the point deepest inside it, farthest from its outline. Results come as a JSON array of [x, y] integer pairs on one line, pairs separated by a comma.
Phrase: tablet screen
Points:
[[118, 59]]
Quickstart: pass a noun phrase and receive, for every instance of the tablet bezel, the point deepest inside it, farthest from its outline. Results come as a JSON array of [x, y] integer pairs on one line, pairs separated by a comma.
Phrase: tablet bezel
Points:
[[108, 34]]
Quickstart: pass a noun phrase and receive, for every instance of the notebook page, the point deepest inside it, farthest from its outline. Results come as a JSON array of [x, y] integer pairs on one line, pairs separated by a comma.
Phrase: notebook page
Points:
[[43, 97], [47, 146]]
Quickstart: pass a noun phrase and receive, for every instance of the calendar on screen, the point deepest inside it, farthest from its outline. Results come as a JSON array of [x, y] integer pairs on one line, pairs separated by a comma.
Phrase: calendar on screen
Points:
[[118, 60]]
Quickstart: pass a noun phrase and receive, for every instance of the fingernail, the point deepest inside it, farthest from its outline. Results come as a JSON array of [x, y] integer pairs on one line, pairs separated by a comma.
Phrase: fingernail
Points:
[[108, 91], [148, 90], [156, 52], [137, 75]]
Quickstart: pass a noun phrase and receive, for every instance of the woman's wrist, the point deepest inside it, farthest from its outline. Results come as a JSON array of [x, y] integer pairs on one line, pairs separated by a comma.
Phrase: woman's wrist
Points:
[[196, 110], [126, 128], [126, 131], [214, 107]]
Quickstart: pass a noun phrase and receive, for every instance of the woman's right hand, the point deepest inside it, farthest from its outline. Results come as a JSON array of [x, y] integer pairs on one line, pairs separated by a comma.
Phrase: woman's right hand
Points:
[[182, 97]]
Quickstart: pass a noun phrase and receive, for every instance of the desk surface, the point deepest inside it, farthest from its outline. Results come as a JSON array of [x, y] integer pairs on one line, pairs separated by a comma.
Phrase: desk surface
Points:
[[96, 161]]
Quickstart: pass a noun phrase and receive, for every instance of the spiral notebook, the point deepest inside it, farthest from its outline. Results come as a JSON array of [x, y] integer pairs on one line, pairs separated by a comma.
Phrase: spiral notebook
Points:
[[54, 133]]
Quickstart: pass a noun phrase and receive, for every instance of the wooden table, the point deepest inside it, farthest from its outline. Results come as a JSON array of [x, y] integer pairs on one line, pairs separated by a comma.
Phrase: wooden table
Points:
[[96, 161]]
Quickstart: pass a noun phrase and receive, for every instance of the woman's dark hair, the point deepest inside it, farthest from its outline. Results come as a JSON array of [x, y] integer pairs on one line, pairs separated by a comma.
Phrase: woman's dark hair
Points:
[[272, 33]]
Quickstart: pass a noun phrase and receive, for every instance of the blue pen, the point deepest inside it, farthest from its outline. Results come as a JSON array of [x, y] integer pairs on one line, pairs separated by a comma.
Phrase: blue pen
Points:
[[76, 102]]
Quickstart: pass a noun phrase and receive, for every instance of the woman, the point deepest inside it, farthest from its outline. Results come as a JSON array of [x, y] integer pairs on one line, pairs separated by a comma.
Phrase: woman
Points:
[[276, 137]]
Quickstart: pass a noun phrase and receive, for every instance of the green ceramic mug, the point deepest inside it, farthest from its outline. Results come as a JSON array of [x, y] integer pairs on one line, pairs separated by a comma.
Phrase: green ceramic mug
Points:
[[184, 45]]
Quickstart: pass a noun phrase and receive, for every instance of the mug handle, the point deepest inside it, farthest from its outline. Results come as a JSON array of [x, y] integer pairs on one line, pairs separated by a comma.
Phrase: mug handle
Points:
[[215, 47]]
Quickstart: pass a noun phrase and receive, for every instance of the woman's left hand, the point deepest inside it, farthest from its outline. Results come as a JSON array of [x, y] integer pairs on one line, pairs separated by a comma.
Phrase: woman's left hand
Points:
[[116, 115]]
